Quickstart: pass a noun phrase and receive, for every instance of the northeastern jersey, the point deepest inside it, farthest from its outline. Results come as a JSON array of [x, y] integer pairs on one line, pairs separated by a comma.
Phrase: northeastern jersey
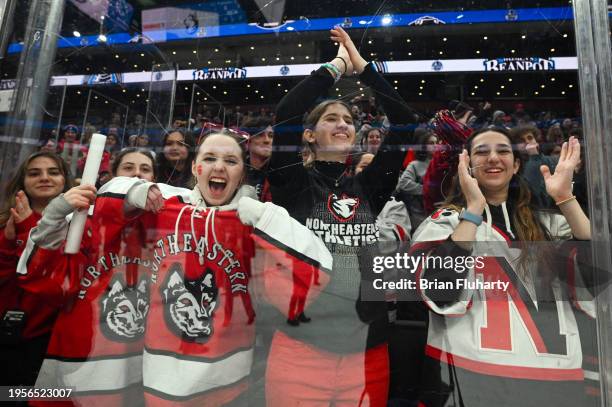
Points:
[[104, 297], [200, 327], [502, 344]]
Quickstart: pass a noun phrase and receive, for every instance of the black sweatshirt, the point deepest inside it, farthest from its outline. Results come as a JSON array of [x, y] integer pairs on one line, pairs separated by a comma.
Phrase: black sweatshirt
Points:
[[340, 209]]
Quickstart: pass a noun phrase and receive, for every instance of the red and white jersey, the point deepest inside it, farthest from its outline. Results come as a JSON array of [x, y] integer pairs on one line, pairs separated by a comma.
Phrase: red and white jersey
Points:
[[502, 330], [188, 301]]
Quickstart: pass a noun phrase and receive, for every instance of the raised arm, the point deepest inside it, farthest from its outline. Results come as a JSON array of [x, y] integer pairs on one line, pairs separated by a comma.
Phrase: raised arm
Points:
[[396, 109], [286, 161]]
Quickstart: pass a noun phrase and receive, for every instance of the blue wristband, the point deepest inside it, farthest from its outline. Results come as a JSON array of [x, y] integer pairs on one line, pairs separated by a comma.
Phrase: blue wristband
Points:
[[470, 217]]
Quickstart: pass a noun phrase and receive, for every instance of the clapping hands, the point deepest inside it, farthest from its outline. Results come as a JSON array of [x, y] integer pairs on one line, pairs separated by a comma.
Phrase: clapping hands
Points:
[[355, 60], [19, 213]]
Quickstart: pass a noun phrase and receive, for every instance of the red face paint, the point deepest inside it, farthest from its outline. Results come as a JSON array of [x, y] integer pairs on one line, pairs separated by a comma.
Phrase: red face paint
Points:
[[199, 169]]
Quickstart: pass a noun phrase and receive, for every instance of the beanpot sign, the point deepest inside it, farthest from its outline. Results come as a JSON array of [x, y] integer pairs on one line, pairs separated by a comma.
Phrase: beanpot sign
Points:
[[219, 73], [519, 64]]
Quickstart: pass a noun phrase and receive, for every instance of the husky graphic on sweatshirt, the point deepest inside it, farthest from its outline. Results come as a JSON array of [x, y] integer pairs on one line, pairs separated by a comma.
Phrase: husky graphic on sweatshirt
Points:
[[189, 304], [124, 310]]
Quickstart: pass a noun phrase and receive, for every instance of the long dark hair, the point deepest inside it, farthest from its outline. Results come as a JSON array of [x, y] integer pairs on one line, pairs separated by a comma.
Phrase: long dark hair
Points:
[[17, 182], [166, 170], [523, 211]]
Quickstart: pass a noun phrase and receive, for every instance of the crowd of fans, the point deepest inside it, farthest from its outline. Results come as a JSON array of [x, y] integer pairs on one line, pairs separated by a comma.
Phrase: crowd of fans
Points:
[[374, 169]]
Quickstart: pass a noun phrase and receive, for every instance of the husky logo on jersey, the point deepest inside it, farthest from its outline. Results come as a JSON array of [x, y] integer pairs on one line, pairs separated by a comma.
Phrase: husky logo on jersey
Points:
[[189, 304], [123, 310], [342, 208]]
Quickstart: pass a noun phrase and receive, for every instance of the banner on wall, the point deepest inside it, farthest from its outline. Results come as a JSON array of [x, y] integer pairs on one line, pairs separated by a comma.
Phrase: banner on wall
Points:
[[273, 71], [519, 64], [219, 74]]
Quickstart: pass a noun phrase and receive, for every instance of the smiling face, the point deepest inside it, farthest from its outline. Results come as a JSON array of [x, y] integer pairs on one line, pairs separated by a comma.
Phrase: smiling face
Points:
[[493, 163], [374, 140], [136, 165], [43, 180], [218, 168], [175, 148], [333, 135]]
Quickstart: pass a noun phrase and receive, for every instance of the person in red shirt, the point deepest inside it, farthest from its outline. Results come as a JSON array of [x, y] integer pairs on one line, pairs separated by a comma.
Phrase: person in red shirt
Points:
[[26, 321]]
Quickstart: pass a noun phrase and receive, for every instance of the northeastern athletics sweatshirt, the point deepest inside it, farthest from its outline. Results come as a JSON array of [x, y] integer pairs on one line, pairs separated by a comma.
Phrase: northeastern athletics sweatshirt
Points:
[[341, 210]]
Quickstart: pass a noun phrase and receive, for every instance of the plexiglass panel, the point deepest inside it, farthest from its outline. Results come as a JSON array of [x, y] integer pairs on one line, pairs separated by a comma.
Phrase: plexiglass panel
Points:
[[341, 203]]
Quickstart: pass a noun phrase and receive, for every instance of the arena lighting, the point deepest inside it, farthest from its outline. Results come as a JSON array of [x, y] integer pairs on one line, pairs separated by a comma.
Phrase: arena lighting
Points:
[[142, 54], [173, 52], [76, 34], [252, 47], [102, 38], [387, 19], [564, 35], [369, 41], [307, 57], [117, 56], [300, 45], [194, 51]]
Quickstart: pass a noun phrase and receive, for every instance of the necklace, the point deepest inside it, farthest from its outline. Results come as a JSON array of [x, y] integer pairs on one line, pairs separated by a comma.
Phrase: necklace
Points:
[[336, 180]]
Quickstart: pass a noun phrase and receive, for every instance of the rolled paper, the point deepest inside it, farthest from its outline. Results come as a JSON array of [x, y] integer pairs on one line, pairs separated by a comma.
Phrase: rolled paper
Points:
[[90, 175]]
